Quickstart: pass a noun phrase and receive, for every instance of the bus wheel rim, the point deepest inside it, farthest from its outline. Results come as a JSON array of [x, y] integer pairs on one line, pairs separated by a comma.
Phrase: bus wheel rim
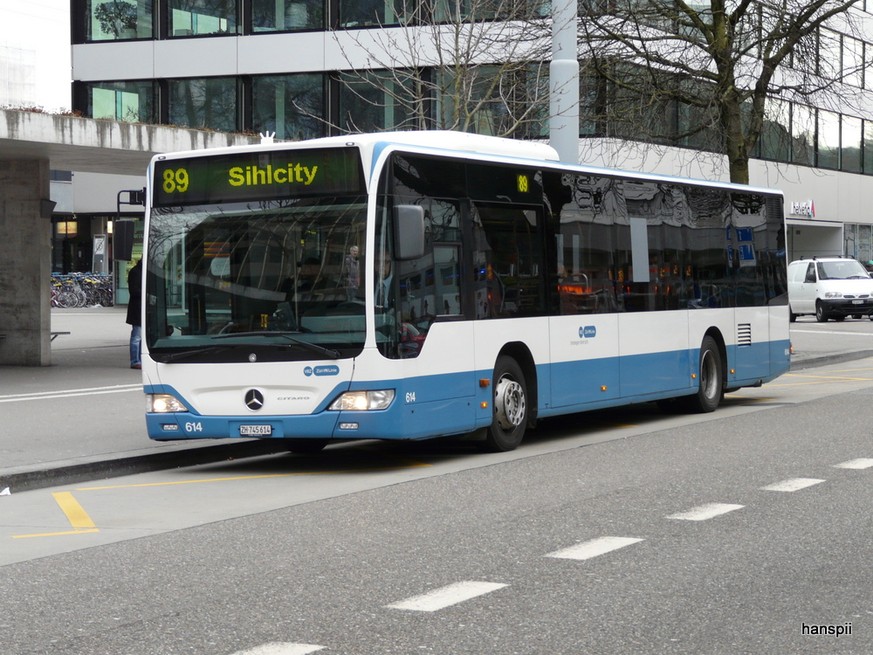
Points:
[[509, 403]]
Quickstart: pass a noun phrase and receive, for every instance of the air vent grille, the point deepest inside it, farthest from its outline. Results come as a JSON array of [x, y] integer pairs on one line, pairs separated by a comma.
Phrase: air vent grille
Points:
[[744, 334]]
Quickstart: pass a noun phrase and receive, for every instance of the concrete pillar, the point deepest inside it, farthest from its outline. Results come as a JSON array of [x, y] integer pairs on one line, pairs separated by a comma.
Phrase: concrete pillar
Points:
[[25, 263]]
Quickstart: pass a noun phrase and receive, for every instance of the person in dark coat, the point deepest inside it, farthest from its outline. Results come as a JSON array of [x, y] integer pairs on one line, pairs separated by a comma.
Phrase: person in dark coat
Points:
[[134, 314]]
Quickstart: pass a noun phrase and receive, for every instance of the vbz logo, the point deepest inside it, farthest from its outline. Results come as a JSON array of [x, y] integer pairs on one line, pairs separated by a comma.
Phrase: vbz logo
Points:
[[588, 332]]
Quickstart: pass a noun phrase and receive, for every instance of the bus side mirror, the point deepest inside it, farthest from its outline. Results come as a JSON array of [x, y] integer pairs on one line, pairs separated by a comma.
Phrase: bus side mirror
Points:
[[408, 231]]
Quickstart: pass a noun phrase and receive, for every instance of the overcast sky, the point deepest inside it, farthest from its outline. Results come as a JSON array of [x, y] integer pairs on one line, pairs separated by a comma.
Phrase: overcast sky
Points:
[[42, 26]]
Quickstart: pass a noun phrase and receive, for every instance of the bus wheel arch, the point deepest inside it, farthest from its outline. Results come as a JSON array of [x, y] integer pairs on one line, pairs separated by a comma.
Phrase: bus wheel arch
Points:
[[514, 399]]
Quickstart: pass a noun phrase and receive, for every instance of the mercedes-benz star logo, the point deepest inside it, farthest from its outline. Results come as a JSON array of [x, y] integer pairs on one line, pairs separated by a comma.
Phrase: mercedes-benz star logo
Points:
[[254, 399]]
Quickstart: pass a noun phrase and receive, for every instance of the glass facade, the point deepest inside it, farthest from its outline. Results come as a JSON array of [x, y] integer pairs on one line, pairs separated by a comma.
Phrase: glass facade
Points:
[[122, 101], [210, 102], [775, 137], [851, 144], [853, 61], [368, 13], [286, 15], [802, 135], [290, 106], [373, 101], [112, 20], [498, 100], [867, 143], [828, 141], [202, 17]]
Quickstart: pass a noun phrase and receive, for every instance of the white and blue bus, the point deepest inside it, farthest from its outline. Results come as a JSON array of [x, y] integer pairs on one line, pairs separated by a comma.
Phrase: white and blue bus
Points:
[[424, 284]]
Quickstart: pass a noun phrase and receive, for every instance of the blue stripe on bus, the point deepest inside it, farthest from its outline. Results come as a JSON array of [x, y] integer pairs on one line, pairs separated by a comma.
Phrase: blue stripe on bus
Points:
[[576, 386]]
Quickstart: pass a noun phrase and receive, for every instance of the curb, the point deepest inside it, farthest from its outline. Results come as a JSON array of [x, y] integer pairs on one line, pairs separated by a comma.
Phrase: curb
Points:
[[113, 468], [824, 360]]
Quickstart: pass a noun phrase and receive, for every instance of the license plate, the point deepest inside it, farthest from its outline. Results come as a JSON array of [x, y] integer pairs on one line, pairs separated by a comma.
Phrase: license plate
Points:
[[857, 302], [255, 430]]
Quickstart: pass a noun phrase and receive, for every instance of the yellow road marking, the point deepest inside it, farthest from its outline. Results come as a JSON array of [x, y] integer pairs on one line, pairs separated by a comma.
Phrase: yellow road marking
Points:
[[82, 523], [841, 378], [75, 513], [54, 534], [236, 478]]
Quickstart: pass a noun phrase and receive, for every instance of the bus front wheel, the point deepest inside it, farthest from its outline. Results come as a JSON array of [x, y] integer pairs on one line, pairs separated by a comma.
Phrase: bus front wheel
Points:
[[510, 407]]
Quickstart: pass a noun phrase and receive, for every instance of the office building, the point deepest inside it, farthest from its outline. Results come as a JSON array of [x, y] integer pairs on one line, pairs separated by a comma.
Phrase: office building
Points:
[[298, 68]]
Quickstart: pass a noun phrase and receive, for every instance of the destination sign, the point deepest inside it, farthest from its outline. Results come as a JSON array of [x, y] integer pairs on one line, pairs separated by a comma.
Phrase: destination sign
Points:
[[274, 174]]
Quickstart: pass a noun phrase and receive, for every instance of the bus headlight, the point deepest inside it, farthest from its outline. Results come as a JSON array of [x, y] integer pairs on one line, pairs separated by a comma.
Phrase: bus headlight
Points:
[[163, 403], [361, 401]]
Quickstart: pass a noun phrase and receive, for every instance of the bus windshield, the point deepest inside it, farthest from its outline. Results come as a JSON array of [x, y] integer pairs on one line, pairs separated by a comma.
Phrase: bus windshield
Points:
[[274, 280]]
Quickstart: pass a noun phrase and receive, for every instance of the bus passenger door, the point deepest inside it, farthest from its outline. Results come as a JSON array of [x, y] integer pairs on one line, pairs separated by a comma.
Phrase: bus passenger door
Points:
[[438, 344]]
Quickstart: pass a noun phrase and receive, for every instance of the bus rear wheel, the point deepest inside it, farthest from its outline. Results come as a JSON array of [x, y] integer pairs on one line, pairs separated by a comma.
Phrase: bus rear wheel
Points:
[[711, 377], [509, 421]]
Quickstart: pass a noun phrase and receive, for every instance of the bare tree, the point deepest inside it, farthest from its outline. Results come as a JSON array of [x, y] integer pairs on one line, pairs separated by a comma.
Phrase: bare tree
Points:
[[702, 73], [470, 65]]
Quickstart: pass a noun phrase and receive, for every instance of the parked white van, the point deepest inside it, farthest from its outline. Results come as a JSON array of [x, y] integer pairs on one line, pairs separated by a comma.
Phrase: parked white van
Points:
[[829, 287]]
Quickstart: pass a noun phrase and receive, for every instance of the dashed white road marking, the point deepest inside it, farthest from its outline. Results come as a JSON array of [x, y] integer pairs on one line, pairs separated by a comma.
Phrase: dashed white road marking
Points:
[[276, 648], [704, 512], [794, 484], [593, 548], [860, 463], [446, 596]]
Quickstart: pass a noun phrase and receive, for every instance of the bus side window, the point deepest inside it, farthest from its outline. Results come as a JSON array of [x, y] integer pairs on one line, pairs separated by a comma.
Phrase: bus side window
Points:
[[509, 255], [590, 271]]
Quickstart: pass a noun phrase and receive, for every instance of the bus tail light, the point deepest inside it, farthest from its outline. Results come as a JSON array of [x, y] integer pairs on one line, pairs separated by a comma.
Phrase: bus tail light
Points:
[[163, 403], [362, 401]]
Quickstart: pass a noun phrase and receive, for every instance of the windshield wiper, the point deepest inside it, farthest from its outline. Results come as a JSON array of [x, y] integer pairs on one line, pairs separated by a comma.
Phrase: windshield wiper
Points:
[[182, 354], [314, 347]]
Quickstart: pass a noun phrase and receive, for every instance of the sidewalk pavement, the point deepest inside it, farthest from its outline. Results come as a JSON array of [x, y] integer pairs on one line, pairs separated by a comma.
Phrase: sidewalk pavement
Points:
[[82, 418]]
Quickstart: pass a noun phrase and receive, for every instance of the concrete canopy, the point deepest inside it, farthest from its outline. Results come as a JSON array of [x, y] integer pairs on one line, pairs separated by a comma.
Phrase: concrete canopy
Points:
[[32, 144], [91, 145]]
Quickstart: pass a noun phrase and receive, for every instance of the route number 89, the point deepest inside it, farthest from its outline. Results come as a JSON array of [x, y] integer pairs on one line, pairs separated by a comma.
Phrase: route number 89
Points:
[[175, 180]]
